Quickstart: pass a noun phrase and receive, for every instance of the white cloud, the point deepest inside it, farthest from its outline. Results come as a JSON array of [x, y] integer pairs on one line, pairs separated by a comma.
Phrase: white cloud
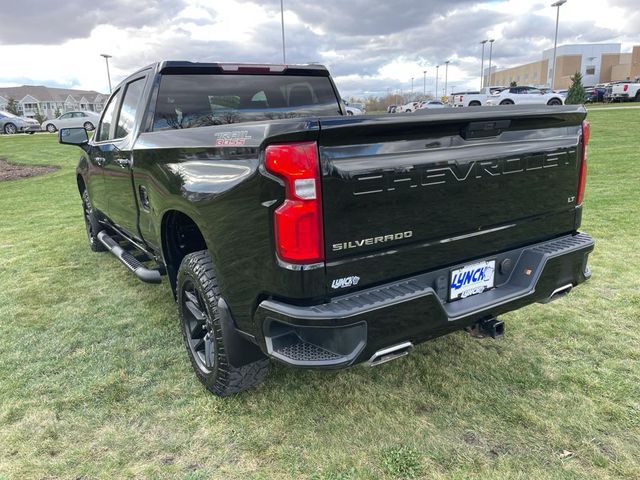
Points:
[[364, 61]]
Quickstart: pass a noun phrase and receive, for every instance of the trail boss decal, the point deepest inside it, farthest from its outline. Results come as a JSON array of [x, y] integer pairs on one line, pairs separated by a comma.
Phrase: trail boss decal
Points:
[[232, 139], [336, 247]]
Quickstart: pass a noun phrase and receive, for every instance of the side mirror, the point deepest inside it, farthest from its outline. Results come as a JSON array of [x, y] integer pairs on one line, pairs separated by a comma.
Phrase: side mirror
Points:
[[73, 136]]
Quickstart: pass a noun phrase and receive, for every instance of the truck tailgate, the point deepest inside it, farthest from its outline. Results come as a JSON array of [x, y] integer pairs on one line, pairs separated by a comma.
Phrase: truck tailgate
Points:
[[402, 195]]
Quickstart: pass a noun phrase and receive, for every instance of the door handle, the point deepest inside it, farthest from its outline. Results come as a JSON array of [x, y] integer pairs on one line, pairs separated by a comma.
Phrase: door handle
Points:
[[100, 161], [122, 162]]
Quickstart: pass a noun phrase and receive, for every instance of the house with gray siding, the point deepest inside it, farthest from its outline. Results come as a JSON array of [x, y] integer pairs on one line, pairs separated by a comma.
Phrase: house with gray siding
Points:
[[34, 99]]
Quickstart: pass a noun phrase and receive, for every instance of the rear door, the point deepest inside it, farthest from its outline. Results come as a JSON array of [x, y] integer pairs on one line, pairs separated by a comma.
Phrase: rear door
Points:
[[438, 188]]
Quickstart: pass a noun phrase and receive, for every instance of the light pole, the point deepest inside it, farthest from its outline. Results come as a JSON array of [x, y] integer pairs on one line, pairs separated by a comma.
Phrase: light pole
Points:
[[411, 85], [424, 83], [106, 58], [284, 55], [437, 70], [558, 4], [446, 73], [490, 53], [482, 65]]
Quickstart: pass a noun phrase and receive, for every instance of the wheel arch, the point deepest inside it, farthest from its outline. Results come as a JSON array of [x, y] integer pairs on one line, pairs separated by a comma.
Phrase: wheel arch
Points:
[[180, 235]]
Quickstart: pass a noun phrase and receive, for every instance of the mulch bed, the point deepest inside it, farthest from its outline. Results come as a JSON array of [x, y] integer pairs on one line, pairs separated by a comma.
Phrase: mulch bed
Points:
[[9, 171]]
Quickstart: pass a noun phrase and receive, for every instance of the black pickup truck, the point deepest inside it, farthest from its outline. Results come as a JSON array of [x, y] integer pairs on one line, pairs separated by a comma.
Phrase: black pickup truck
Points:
[[289, 230]]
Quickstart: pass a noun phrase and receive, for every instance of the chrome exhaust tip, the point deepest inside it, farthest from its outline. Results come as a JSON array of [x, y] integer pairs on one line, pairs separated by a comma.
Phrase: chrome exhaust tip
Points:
[[387, 354], [558, 293]]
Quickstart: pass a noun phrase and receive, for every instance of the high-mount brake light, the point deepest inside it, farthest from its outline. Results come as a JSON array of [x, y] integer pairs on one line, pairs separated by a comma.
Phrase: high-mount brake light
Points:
[[298, 221], [247, 68], [582, 178]]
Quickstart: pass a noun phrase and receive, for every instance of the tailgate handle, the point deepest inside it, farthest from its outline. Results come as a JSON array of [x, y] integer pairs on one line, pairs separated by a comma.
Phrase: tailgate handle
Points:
[[485, 129]]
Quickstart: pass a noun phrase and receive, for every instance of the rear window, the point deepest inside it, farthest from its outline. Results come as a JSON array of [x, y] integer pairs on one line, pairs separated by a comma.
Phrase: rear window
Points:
[[189, 101]]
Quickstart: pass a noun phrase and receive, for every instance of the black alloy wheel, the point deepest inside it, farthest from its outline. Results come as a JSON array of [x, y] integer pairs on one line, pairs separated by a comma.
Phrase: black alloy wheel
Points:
[[197, 327]]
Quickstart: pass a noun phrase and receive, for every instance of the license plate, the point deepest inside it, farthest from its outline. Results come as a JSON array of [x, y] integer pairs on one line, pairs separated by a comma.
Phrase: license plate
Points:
[[471, 279]]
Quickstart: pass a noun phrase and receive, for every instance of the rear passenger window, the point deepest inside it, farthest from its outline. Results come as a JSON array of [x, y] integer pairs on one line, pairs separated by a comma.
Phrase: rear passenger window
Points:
[[129, 107], [191, 100], [107, 119]]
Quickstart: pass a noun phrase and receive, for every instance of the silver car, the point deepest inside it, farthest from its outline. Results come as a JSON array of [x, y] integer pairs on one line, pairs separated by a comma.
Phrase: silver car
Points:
[[10, 124], [86, 120]]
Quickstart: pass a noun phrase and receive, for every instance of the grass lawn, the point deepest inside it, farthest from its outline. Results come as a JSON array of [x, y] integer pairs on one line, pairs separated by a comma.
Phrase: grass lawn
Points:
[[95, 382]]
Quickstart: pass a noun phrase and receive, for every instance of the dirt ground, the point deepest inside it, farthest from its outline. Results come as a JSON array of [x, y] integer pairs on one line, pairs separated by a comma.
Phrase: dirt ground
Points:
[[9, 171]]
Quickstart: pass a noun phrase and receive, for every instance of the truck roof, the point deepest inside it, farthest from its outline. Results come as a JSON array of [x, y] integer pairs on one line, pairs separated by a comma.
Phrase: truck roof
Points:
[[179, 66]]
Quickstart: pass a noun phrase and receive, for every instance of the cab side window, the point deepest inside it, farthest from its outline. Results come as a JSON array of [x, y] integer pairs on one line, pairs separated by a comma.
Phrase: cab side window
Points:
[[129, 108], [104, 130]]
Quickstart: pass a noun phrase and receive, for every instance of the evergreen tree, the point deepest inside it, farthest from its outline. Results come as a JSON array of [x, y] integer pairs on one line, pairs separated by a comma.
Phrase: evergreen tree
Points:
[[513, 84], [39, 117], [576, 94], [12, 106]]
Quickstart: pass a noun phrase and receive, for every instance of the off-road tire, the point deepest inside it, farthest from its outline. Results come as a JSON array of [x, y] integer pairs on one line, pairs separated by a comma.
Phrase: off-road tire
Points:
[[92, 225], [196, 277], [637, 97]]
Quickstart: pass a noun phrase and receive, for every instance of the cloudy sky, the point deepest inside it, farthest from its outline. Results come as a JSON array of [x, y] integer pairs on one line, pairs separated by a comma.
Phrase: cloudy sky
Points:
[[370, 46]]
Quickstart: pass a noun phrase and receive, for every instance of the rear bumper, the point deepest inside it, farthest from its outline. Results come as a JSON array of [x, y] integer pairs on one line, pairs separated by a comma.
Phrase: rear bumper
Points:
[[620, 95], [351, 328]]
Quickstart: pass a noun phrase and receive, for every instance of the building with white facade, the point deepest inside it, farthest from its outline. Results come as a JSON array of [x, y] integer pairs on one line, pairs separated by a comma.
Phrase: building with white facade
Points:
[[587, 55], [598, 63], [34, 99]]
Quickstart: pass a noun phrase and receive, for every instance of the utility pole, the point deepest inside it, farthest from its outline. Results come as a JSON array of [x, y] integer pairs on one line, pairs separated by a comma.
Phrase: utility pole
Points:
[[437, 71], [412, 85], [490, 53], [424, 83], [106, 58], [446, 73], [284, 55], [482, 65], [558, 4]]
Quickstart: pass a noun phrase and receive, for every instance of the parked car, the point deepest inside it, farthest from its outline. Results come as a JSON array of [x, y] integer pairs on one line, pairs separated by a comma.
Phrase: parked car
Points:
[[408, 107], [359, 106], [294, 234], [594, 94], [392, 108], [10, 124], [431, 104], [351, 110], [525, 96], [86, 120], [474, 98], [625, 91]]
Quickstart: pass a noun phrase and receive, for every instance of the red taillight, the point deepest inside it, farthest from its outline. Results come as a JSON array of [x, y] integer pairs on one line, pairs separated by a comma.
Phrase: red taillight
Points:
[[298, 221], [586, 133], [626, 87]]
